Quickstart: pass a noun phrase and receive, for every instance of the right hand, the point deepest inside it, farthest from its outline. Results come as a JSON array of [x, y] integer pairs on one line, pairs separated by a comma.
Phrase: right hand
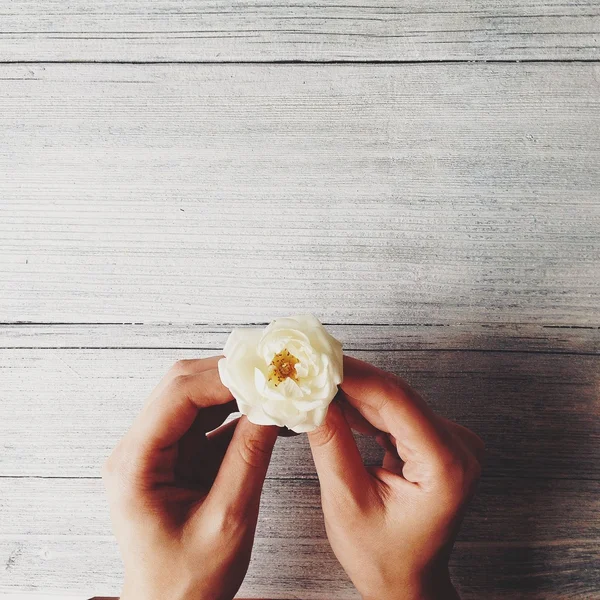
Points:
[[393, 527]]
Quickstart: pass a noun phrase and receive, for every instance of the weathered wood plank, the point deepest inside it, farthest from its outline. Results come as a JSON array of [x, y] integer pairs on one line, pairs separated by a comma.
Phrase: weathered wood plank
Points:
[[308, 30], [526, 535], [288, 569], [503, 512], [62, 410], [527, 572], [364, 193], [466, 336]]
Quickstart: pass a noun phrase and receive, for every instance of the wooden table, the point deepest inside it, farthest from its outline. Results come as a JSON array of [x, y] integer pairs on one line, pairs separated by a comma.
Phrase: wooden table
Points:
[[423, 176]]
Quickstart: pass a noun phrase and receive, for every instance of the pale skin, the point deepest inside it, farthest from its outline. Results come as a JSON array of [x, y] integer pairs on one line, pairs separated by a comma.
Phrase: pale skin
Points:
[[184, 498]]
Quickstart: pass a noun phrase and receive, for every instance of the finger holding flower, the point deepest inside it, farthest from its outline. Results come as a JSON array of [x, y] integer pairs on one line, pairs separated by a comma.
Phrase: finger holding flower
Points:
[[184, 490], [393, 527]]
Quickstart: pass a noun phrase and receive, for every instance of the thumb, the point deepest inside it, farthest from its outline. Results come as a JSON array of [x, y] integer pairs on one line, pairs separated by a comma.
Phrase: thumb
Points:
[[339, 464], [240, 479]]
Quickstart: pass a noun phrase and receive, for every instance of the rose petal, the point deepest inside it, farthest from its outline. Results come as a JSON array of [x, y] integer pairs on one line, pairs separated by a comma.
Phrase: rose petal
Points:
[[285, 325], [237, 368], [285, 412], [301, 369], [320, 379], [318, 415], [294, 420], [290, 389], [269, 348], [303, 427], [223, 374], [260, 381], [258, 416], [247, 336], [324, 342], [306, 405]]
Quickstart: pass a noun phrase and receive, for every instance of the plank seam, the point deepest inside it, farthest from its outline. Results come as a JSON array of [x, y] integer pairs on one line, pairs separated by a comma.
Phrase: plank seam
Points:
[[264, 323], [213, 348], [306, 62]]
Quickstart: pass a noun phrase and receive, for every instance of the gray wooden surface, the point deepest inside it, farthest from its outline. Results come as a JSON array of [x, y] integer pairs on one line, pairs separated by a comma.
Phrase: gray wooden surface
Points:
[[241, 30], [432, 198], [400, 193]]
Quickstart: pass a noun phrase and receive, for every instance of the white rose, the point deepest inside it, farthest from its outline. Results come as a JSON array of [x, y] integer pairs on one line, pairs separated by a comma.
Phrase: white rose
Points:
[[286, 374]]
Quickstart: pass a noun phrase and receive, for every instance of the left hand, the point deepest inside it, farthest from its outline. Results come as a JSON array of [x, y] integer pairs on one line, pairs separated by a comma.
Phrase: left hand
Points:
[[184, 504]]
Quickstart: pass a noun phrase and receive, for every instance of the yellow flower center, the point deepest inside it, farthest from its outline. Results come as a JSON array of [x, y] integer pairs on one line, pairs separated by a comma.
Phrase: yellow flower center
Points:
[[283, 366]]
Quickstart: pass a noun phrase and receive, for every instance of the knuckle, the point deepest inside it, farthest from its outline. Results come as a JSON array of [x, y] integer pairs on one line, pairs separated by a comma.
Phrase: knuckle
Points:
[[474, 475], [219, 522], [459, 475], [225, 525], [107, 469], [393, 381], [470, 439], [453, 471], [475, 468], [111, 465], [179, 384], [118, 473], [388, 387], [254, 452], [126, 492], [479, 443], [391, 386], [322, 436], [480, 449], [180, 367]]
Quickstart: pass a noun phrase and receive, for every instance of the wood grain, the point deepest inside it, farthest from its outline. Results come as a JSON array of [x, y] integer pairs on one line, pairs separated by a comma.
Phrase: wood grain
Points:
[[62, 410], [307, 30], [516, 528], [516, 337], [568, 510], [288, 569], [369, 194], [443, 219]]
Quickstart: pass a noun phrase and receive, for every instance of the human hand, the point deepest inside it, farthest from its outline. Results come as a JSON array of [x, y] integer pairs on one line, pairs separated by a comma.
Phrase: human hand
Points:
[[184, 504], [392, 528]]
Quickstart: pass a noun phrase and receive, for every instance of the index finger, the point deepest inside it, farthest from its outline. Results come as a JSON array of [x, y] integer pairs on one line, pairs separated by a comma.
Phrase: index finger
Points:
[[391, 405], [164, 420]]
